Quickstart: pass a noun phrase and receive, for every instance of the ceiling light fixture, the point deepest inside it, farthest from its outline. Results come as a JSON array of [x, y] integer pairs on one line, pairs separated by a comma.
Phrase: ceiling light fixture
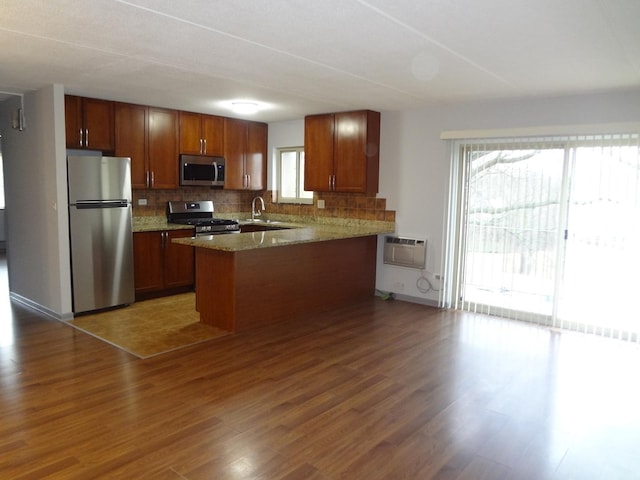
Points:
[[245, 108]]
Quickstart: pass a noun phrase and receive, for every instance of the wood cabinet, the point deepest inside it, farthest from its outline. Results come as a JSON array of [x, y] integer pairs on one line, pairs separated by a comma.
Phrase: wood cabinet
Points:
[[201, 134], [131, 140], [163, 148], [342, 152], [161, 266], [245, 153], [89, 123], [150, 137], [303, 279]]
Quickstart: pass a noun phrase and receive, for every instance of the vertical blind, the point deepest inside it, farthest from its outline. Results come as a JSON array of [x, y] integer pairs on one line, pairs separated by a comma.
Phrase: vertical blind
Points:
[[548, 230]]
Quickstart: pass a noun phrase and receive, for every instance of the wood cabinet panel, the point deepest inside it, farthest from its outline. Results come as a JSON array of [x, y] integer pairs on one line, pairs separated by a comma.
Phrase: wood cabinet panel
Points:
[[318, 152], [148, 261], [73, 121], [179, 261], [89, 123], [342, 152], [131, 140], [190, 135], [201, 134], [235, 141], [150, 137], [213, 135], [163, 148], [160, 266], [245, 153], [302, 279], [255, 162]]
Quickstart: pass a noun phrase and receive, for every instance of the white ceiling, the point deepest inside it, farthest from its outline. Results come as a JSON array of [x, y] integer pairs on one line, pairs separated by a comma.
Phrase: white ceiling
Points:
[[301, 56]]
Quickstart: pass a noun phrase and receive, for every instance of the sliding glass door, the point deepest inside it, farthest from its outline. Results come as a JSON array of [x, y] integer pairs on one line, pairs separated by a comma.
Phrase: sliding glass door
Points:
[[602, 256], [548, 231]]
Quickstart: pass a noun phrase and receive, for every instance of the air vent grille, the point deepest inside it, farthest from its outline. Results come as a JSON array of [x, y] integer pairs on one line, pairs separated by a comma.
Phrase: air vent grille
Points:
[[405, 252]]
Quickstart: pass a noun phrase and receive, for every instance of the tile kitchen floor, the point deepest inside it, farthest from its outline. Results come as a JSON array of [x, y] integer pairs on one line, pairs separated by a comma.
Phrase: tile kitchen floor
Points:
[[150, 327]]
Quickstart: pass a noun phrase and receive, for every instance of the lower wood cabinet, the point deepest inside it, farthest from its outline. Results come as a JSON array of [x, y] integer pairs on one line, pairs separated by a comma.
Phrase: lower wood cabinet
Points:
[[162, 267]]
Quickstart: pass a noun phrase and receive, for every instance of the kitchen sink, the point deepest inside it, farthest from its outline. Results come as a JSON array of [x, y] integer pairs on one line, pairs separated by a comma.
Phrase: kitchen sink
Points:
[[260, 227]]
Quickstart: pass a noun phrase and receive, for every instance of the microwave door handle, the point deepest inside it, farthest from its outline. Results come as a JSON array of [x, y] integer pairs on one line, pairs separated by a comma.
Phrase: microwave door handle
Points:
[[215, 171]]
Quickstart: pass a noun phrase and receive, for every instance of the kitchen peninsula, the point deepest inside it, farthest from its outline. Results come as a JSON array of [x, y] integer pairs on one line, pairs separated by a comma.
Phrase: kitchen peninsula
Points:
[[253, 279]]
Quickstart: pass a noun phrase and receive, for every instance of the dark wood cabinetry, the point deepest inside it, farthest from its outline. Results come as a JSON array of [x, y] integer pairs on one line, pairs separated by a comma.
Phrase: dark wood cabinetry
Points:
[[245, 152], [201, 134], [161, 266], [342, 152], [89, 123], [150, 137], [155, 137], [131, 140], [163, 148]]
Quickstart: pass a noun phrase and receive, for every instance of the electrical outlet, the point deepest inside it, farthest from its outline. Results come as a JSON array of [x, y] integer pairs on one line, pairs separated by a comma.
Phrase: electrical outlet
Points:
[[320, 203], [142, 201]]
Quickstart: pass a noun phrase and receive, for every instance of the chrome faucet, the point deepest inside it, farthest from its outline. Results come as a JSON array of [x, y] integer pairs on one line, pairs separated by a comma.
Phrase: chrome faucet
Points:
[[254, 212]]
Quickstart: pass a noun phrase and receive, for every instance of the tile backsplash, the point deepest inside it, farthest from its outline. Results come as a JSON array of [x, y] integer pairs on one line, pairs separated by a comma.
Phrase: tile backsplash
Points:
[[342, 205]]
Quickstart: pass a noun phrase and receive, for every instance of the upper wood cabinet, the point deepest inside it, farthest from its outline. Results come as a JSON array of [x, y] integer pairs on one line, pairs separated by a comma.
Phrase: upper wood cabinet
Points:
[[89, 123], [245, 153], [163, 148], [342, 152], [150, 137], [131, 140], [201, 134]]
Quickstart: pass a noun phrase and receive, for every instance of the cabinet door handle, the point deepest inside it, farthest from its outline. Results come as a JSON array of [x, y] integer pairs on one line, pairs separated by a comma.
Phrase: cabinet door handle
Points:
[[204, 143], [153, 179], [330, 187], [80, 136], [86, 137]]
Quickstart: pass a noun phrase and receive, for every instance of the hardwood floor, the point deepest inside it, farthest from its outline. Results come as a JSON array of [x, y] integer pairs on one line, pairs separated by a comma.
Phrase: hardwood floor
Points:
[[378, 390]]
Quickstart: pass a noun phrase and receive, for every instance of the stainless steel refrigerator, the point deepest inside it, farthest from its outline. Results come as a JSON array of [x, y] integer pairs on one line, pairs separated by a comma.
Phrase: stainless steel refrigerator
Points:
[[100, 232]]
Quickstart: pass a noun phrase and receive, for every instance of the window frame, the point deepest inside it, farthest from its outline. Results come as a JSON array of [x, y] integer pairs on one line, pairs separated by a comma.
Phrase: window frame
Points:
[[298, 199]]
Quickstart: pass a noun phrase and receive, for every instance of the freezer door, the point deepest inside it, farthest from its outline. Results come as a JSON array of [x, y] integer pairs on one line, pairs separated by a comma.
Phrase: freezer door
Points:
[[98, 178], [101, 257]]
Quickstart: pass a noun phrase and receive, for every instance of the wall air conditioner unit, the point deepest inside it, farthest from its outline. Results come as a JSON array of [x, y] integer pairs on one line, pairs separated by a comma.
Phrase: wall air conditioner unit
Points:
[[406, 252]]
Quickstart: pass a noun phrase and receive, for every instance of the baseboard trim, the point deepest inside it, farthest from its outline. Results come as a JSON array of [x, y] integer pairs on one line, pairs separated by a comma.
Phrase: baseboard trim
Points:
[[39, 308], [411, 299]]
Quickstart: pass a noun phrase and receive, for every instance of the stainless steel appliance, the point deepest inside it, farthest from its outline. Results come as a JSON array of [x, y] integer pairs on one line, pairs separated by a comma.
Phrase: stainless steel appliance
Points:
[[100, 232], [200, 215], [201, 170]]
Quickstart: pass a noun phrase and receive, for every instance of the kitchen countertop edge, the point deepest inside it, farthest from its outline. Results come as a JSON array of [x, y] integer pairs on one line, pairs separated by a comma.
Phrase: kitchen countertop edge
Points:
[[303, 230]]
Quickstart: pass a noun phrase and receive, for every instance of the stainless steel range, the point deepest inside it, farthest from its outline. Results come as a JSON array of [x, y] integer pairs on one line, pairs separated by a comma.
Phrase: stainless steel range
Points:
[[200, 215]]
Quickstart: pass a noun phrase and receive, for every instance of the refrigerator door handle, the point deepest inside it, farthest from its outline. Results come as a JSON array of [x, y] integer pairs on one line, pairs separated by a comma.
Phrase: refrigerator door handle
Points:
[[83, 204]]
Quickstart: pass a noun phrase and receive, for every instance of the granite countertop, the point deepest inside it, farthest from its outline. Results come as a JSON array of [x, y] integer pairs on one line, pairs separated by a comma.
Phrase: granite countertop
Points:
[[304, 231], [291, 230], [151, 224]]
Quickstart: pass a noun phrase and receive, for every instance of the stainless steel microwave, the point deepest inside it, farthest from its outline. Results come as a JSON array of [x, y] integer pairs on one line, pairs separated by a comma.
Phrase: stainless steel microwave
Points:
[[201, 171]]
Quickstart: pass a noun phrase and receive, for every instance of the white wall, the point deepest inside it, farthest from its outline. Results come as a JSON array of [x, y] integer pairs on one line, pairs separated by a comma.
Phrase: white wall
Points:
[[36, 198], [282, 134], [414, 164]]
